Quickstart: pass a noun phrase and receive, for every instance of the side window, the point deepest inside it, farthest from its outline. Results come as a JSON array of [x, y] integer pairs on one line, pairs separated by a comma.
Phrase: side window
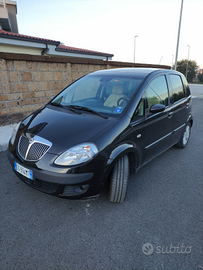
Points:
[[157, 92], [139, 112], [187, 89], [177, 87]]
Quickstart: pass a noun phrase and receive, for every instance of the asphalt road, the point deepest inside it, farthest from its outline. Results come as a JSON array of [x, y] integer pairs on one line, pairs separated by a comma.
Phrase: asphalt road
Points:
[[159, 226]]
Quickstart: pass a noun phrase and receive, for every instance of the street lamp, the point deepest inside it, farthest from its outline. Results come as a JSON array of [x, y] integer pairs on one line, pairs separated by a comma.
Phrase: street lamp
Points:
[[160, 60], [134, 46], [172, 61], [187, 60]]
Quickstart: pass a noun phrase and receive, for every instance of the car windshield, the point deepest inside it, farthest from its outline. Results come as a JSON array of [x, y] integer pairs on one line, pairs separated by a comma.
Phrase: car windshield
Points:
[[104, 94]]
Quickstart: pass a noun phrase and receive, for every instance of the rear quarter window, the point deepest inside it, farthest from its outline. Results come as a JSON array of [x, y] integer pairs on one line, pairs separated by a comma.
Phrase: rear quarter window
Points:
[[186, 86], [177, 90]]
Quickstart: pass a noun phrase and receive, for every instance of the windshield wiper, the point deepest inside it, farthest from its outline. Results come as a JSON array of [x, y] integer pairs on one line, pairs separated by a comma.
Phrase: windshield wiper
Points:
[[65, 107], [87, 110]]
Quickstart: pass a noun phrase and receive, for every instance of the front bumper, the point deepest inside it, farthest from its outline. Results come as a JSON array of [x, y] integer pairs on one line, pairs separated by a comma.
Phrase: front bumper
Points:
[[72, 186]]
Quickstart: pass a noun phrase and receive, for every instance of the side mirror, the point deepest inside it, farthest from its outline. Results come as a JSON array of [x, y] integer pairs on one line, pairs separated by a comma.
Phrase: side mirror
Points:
[[157, 108]]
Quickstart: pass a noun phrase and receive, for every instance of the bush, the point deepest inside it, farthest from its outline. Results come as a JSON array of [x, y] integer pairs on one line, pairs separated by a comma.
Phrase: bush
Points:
[[200, 77]]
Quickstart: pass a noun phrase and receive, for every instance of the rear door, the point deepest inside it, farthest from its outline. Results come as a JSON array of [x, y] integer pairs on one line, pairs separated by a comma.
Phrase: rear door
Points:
[[181, 105]]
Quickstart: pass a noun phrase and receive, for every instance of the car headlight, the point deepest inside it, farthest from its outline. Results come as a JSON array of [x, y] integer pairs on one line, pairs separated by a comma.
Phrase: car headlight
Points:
[[15, 130], [77, 154]]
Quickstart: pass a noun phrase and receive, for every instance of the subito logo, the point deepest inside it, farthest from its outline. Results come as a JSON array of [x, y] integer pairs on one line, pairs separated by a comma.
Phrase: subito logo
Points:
[[147, 249]]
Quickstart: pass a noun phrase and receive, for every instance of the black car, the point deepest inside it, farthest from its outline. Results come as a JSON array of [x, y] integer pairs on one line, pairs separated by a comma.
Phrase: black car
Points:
[[99, 129]]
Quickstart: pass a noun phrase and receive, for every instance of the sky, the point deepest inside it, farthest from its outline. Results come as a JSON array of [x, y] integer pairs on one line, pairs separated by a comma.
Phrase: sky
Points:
[[110, 26]]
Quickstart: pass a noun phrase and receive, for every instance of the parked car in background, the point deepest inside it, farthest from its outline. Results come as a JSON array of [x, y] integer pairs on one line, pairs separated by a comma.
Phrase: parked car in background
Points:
[[99, 129]]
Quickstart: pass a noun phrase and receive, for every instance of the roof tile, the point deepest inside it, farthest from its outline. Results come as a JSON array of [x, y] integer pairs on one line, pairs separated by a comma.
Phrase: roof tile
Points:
[[59, 47], [19, 36], [79, 50]]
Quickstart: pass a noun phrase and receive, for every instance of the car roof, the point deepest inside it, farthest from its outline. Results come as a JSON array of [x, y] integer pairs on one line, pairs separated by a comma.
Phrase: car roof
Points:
[[137, 72]]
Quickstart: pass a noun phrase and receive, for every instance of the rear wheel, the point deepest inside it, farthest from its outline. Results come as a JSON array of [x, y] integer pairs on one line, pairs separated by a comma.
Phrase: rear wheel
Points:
[[119, 180], [185, 136]]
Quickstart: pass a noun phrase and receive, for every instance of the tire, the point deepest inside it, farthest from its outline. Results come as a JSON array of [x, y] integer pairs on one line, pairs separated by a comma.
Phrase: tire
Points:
[[119, 180], [185, 136]]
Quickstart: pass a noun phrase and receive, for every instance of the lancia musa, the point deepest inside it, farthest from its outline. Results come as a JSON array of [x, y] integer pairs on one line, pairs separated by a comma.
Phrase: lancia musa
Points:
[[100, 129]]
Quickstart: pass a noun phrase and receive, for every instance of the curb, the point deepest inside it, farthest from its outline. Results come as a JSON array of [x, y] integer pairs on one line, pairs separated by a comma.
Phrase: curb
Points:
[[5, 135], [3, 147]]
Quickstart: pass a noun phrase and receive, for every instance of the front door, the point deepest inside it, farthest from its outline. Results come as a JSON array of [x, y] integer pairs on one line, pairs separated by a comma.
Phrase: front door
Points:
[[157, 126]]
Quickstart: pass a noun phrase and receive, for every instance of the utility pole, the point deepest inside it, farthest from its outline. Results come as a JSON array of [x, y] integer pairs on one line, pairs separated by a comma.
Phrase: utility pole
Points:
[[176, 59]]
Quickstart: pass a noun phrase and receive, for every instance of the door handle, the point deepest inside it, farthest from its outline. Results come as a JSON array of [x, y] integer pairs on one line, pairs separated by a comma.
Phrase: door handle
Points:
[[187, 105], [170, 114]]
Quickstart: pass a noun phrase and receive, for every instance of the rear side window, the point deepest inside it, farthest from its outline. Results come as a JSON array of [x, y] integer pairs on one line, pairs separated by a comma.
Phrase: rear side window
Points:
[[157, 92], [177, 87], [187, 89]]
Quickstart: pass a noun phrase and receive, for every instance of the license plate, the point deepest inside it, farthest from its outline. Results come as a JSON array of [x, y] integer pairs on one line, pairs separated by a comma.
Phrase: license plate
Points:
[[24, 171]]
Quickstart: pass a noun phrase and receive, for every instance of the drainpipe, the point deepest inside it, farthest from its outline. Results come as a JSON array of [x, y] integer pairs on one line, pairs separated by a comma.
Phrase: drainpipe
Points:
[[45, 50]]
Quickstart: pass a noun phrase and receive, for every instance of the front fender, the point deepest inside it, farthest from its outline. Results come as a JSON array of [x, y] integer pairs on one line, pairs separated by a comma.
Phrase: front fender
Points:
[[119, 151]]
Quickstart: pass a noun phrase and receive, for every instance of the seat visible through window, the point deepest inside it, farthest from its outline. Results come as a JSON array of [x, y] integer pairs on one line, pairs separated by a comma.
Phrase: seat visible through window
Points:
[[117, 92]]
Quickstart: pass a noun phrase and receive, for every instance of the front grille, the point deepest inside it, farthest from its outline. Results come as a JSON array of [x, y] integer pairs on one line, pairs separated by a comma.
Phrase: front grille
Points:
[[36, 151], [33, 148], [23, 146]]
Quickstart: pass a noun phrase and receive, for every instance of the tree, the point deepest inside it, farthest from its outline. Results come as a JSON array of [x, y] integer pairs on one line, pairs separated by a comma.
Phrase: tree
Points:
[[192, 68]]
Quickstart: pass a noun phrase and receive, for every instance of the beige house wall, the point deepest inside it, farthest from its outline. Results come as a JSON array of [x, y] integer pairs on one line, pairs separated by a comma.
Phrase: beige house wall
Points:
[[27, 82], [19, 49]]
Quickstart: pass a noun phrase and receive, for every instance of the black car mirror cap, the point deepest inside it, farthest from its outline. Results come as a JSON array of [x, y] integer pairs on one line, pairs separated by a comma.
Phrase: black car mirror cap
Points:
[[157, 108]]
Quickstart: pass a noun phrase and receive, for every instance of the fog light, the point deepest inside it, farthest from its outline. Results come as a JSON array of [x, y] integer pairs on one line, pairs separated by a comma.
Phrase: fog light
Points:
[[74, 190]]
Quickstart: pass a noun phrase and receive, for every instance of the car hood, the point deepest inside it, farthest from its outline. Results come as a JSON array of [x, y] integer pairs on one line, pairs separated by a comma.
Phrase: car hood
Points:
[[65, 129]]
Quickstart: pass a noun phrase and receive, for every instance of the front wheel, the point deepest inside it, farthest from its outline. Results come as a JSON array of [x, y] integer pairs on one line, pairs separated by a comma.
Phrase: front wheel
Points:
[[185, 136], [119, 180]]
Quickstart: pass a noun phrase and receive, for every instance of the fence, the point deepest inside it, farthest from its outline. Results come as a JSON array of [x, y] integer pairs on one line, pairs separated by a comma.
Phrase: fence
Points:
[[30, 81]]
